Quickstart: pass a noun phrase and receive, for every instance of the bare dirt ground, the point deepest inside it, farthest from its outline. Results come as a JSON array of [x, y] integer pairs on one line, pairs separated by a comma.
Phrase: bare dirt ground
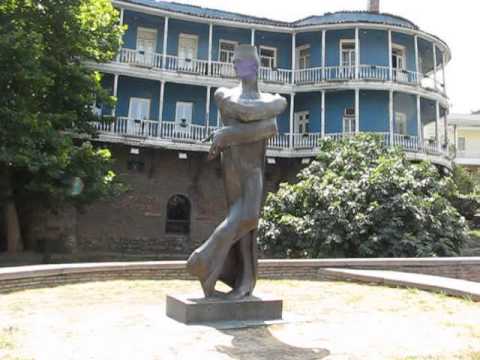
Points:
[[331, 320]]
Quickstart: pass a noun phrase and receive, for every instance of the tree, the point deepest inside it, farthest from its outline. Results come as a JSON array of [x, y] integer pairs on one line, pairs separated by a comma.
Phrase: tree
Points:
[[360, 198], [47, 94]]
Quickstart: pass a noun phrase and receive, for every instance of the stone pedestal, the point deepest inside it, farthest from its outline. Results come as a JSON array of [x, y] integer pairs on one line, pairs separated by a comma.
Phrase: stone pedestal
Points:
[[197, 310]]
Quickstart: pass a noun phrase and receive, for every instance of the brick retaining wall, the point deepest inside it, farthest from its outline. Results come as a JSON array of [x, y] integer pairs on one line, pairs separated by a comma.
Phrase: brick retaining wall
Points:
[[25, 277]]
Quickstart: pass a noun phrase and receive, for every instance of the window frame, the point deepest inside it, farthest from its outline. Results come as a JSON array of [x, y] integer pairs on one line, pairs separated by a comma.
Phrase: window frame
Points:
[[351, 118], [223, 41], [147, 30], [402, 48], [149, 100], [298, 51], [188, 36], [306, 122], [464, 141], [403, 117], [348, 41], [275, 53]]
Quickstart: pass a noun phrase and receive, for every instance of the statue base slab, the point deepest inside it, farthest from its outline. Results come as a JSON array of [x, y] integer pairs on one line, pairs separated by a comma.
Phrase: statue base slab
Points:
[[198, 310]]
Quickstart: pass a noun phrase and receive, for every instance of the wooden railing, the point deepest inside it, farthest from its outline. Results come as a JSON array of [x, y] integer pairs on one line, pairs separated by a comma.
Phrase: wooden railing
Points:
[[192, 66], [192, 133], [314, 75], [281, 76], [308, 76], [223, 70], [140, 58]]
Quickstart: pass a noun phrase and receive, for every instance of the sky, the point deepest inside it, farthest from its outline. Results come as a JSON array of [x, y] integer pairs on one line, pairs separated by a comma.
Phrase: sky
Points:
[[456, 22]]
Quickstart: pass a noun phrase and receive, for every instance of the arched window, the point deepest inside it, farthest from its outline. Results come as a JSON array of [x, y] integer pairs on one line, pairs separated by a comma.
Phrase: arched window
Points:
[[178, 215]]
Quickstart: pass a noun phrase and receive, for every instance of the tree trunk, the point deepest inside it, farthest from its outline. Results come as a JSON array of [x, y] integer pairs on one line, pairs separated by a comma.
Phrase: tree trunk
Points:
[[12, 224]]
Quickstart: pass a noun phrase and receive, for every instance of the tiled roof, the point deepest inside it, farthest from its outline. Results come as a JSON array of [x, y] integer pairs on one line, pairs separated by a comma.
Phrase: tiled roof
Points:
[[340, 17], [207, 13]]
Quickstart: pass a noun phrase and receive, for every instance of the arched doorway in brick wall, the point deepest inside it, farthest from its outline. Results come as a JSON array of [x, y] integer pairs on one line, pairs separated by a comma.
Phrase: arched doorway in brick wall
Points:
[[178, 215]]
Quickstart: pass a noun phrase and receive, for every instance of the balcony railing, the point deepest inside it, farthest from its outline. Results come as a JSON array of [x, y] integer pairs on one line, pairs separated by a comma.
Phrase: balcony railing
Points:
[[170, 131], [308, 76]]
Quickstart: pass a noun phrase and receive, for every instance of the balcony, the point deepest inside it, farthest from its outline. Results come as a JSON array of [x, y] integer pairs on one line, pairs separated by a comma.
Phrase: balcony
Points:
[[193, 137], [302, 77], [467, 158]]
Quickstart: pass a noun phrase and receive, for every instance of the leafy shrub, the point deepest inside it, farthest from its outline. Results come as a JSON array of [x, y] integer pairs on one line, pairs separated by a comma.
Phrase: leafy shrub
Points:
[[362, 199]]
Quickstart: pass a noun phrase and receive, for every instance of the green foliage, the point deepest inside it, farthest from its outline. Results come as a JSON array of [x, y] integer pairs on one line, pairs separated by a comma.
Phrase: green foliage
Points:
[[362, 199], [466, 182], [467, 199], [48, 93]]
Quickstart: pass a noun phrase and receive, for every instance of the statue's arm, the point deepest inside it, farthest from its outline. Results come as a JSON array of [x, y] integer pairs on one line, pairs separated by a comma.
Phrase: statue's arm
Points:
[[255, 110], [242, 133], [250, 110]]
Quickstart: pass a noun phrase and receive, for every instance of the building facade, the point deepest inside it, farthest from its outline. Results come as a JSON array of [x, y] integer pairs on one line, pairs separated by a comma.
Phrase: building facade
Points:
[[464, 130], [342, 73]]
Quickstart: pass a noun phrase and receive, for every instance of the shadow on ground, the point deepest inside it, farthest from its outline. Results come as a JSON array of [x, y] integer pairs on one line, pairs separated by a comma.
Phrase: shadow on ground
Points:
[[259, 343]]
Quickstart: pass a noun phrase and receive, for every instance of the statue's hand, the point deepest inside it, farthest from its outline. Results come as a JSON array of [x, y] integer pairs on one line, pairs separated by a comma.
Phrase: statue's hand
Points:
[[218, 144]]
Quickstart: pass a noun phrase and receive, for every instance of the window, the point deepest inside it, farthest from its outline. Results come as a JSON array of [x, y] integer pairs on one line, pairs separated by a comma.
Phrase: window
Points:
[[187, 46], [400, 123], [398, 57], [303, 57], [268, 57], [462, 144], [183, 115], [226, 51], [139, 108], [178, 215], [347, 53], [146, 45], [349, 121], [302, 122], [146, 40]]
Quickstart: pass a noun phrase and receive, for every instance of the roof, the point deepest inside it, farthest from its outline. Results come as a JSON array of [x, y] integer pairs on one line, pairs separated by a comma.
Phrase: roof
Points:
[[464, 119], [340, 17], [207, 13]]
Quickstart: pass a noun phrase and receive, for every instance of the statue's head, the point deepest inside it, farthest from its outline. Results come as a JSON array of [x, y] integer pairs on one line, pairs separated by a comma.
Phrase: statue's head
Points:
[[246, 62]]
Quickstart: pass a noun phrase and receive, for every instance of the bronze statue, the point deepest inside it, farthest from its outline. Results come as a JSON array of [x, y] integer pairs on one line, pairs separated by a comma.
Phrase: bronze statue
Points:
[[249, 119]]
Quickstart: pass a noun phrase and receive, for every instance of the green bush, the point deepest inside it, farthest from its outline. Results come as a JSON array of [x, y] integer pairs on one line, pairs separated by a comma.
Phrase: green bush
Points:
[[362, 199]]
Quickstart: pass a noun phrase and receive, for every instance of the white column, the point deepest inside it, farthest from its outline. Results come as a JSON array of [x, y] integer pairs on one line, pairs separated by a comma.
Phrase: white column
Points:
[[252, 38], [357, 111], [419, 120], [390, 62], [443, 73], [121, 24], [445, 131], [324, 55], [292, 114], [207, 108], [323, 115], [390, 116], [160, 107], [437, 124], [435, 66], [165, 41], [115, 92], [294, 55], [357, 53], [455, 137], [210, 41], [417, 60]]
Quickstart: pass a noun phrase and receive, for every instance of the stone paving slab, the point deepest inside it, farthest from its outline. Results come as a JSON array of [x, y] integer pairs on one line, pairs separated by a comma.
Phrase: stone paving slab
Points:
[[453, 287]]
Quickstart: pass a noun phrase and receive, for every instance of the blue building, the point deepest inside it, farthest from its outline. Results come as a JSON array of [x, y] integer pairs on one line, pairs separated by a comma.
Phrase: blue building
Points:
[[343, 73]]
